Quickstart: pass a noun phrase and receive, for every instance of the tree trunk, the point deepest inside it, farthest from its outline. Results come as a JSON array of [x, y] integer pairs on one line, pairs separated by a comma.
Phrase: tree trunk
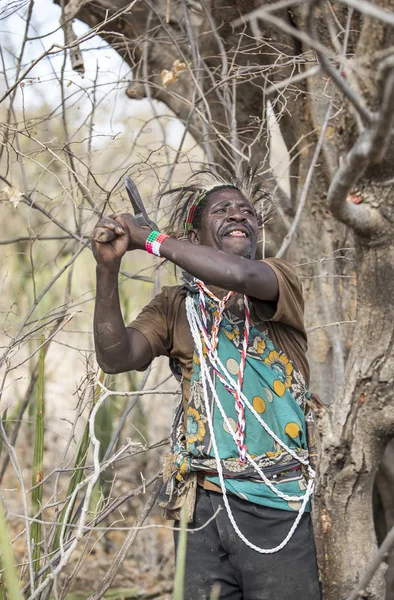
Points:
[[384, 509], [355, 436]]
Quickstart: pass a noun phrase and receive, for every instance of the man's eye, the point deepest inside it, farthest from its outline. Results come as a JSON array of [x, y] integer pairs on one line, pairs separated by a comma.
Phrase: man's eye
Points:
[[220, 210]]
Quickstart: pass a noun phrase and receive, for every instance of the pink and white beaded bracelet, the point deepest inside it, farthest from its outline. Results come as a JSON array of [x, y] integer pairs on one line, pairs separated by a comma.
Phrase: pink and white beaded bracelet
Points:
[[154, 241]]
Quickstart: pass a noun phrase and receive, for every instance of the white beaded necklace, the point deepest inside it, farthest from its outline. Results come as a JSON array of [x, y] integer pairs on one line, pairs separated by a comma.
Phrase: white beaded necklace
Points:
[[197, 329]]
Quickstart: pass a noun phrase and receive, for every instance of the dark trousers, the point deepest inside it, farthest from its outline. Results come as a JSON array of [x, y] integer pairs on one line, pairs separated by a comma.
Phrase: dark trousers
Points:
[[216, 555]]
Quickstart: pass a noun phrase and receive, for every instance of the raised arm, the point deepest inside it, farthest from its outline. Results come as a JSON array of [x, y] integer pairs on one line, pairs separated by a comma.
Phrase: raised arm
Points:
[[213, 265], [217, 253], [229, 271], [118, 348]]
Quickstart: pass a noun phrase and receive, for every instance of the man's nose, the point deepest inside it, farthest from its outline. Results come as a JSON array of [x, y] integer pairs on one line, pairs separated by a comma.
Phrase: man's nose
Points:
[[235, 214]]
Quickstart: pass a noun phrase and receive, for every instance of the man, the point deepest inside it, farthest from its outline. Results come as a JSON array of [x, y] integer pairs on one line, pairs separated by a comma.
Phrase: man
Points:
[[234, 331]]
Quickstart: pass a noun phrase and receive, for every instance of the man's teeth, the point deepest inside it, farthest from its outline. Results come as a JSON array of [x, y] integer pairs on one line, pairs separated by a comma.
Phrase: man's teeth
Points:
[[237, 233]]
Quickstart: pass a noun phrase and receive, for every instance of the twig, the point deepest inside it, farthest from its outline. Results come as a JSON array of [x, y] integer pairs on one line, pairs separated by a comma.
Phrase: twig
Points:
[[276, 87], [328, 325], [14, 461], [25, 403], [371, 10], [328, 258], [196, 74], [382, 553], [77, 62], [51, 335], [89, 528], [35, 238], [27, 200], [39, 298], [144, 393], [104, 515], [56, 48], [230, 107], [125, 414], [121, 556], [18, 70], [266, 15], [66, 550], [288, 237], [337, 78]]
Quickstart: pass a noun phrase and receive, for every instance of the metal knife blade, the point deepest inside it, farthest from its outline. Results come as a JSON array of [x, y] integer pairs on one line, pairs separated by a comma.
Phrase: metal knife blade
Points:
[[138, 205], [104, 235]]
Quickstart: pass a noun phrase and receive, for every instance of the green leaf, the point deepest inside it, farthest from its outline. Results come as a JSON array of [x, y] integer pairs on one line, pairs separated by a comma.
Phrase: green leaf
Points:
[[38, 460]]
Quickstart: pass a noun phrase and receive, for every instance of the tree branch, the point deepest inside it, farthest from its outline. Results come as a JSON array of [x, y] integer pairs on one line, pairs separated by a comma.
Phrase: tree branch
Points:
[[56, 48], [66, 21], [371, 10], [384, 550], [121, 556], [287, 239], [265, 15], [370, 148], [337, 78]]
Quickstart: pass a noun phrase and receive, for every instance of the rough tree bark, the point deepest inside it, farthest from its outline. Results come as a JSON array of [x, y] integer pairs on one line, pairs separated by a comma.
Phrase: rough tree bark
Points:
[[222, 99], [360, 423], [357, 431]]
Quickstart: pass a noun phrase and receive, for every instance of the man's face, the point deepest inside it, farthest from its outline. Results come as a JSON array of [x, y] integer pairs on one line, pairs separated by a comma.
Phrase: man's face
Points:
[[228, 223]]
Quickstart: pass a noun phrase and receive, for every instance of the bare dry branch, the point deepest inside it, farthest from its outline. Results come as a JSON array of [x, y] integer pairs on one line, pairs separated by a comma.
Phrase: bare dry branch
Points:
[[311, 329], [56, 48], [365, 220], [305, 190], [335, 75], [68, 13], [265, 14], [371, 10], [381, 555], [122, 554]]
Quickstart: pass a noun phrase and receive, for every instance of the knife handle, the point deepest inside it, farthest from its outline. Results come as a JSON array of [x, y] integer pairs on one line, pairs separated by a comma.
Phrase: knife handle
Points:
[[104, 235]]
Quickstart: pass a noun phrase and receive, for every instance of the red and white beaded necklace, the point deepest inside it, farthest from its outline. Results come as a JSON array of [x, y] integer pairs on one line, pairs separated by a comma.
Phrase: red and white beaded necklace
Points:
[[236, 389]]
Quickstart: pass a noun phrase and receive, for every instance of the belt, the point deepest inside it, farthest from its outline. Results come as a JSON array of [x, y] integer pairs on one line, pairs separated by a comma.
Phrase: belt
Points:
[[269, 472]]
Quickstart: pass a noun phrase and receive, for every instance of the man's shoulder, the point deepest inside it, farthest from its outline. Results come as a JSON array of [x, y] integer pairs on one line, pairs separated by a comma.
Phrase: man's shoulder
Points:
[[169, 298], [172, 292], [284, 271], [288, 311], [279, 263]]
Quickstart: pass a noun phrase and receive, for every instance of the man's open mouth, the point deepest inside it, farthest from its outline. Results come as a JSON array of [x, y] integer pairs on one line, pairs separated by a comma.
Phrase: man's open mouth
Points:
[[237, 233]]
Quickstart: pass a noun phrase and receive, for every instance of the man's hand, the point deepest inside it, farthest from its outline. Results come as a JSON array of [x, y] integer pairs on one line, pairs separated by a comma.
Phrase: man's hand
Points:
[[129, 235]]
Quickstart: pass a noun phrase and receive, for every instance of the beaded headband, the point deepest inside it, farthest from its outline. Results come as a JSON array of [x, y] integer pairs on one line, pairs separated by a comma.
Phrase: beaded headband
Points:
[[188, 224]]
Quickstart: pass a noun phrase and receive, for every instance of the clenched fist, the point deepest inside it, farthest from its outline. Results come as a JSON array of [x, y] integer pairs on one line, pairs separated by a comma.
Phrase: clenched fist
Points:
[[123, 232]]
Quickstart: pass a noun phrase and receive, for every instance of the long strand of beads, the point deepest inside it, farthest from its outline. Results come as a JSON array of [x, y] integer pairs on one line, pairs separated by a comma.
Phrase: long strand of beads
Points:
[[236, 392], [226, 378], [193, 322]]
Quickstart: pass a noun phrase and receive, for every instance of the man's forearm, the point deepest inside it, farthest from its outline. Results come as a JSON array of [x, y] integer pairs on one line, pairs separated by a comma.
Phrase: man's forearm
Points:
[[110, 335], [229, 271]]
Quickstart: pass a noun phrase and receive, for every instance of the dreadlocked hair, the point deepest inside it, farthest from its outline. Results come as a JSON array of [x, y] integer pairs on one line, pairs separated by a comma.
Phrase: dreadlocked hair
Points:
[[189, 201]]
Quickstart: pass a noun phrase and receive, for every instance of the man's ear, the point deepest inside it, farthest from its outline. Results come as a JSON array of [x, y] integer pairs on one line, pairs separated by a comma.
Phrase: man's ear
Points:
[[193, 236]]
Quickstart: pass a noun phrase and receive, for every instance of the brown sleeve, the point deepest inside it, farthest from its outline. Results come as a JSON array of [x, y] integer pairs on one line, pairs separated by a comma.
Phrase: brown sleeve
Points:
[[289, 309], [152, 322]]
